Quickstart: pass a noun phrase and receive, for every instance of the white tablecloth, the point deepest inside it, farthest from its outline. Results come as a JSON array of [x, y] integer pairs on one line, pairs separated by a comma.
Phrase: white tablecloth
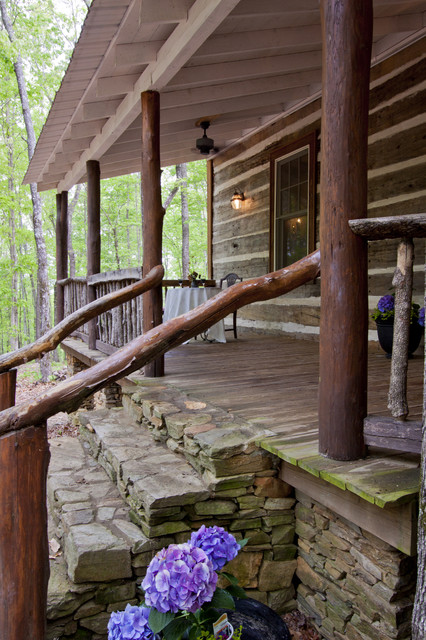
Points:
[[182, 300]]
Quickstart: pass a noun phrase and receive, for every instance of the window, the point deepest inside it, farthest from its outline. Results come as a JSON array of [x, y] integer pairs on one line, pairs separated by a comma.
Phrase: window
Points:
[[292, 202]]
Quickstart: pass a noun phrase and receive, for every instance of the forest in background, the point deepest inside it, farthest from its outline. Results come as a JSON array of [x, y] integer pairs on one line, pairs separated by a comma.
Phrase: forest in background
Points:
[[37, 37]]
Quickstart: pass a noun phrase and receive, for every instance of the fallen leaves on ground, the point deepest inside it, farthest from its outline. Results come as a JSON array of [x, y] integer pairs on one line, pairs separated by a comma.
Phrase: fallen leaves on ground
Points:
[[299, 626], [27, 389]]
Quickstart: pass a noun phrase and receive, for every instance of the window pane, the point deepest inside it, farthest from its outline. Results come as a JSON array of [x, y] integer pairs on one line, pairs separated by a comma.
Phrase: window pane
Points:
[[294, 239], [291, 208], [294, 171], [284, 175], [304, 167], [294, 199], [303, 196], [285, 203]]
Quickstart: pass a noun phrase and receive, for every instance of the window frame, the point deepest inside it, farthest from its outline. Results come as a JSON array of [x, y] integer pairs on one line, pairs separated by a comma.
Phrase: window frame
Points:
[[310, 142]]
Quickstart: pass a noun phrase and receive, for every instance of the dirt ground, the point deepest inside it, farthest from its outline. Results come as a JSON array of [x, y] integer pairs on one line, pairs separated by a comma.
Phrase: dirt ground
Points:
[[29, 387]]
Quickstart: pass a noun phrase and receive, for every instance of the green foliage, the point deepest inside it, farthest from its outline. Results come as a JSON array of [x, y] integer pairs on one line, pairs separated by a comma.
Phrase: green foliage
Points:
[[45, 34]]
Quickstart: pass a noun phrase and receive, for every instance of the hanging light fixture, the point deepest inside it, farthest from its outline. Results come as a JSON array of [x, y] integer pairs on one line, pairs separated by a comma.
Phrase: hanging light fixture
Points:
[[237, 199]]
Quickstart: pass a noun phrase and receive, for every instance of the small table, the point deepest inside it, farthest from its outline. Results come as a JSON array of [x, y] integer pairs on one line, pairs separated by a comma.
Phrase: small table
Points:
[[179, 301]]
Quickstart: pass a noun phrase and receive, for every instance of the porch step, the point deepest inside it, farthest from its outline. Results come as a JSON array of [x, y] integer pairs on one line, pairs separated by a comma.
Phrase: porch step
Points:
[[156, 483], [92, 520]]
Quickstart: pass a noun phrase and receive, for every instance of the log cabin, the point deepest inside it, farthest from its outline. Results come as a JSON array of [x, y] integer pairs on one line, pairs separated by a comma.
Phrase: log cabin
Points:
[[316, 111]]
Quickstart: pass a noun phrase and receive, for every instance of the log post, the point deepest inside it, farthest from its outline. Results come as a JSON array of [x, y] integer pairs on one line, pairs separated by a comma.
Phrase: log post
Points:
[[24, 556], [61, 251], [346, 37], [7, 389], [153, 212], [403, 283], [93, 236]]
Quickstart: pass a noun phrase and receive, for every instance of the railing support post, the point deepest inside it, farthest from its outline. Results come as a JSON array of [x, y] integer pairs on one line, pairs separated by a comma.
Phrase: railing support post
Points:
[[347, 36], [61, 251], [153, 212], [93, 236], [403, 283], [24, 557]]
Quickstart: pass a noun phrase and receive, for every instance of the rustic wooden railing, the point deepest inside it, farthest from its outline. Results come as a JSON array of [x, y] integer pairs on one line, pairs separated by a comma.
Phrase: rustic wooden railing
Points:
[[396, 432], [79, 317], [24, 452], [121, 324]]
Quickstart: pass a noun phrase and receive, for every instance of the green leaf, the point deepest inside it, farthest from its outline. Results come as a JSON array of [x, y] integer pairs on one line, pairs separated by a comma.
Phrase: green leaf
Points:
[[236, 591], [194, 633], [243, 542], [176, 628], [157, 620], [232, 579], [222, 599]]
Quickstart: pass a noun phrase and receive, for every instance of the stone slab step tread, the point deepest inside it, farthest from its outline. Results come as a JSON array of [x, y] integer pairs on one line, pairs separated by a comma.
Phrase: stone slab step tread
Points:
[[149, 476], [99, 541]]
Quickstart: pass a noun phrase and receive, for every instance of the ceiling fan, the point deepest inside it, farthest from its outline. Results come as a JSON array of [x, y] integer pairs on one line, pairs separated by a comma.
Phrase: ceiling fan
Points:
[[205, 144]]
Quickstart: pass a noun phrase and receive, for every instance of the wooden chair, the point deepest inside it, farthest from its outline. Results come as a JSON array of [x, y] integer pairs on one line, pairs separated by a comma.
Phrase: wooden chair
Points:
[[230, 279]]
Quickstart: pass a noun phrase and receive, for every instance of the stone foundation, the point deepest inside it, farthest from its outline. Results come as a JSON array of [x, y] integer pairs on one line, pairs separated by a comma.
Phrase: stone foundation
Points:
[[74, 366], [172, 464], [353, 585]]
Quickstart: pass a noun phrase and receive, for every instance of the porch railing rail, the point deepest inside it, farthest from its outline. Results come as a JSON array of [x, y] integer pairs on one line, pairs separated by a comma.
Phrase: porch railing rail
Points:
[[121, 324], [76, 320], [396, 432], [24, 450]]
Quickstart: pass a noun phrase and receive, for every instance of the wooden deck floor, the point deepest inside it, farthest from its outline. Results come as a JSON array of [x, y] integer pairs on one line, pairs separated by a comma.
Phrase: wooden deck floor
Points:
[[273, 380]]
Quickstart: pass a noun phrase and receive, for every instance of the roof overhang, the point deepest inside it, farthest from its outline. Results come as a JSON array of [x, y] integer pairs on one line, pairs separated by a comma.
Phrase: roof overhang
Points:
[[236, 63]]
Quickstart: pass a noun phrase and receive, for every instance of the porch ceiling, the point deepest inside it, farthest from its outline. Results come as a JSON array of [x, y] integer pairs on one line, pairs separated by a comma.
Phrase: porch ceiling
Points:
[[238, 63]]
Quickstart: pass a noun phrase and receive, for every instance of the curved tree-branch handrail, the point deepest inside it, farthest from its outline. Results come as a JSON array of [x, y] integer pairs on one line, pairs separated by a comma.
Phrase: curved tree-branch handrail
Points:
[[52, 338], [68, 395]]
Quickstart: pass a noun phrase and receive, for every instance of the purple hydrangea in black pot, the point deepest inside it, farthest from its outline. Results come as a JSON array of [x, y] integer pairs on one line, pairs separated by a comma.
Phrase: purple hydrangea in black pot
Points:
[[384, 315]]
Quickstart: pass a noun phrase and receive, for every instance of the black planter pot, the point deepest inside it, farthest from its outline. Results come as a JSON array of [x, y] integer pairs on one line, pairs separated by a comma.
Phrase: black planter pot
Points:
[[258, 621], [385, 335]]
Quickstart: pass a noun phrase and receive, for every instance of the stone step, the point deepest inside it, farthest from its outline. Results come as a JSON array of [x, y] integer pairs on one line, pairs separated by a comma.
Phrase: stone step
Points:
[[100, 543], [156, 483]]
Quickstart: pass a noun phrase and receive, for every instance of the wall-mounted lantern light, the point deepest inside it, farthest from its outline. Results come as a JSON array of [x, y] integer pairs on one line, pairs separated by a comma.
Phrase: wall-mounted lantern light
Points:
[[237, 199]]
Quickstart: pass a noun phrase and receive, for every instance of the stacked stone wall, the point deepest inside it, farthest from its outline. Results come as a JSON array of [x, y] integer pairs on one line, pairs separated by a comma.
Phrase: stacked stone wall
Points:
[[352, 584], [243, 493]]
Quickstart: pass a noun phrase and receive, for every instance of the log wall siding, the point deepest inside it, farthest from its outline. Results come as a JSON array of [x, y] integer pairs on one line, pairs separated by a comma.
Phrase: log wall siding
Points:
[[396, 186]]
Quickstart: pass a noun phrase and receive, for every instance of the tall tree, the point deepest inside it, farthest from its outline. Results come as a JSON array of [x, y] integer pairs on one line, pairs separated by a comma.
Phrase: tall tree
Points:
[[43, 299], [182, 177]]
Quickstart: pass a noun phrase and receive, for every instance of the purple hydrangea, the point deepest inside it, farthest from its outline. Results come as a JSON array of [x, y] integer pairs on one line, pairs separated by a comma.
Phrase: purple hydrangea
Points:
[[218, 544], [130, 624], [421, 319], [179, 578], [386, 303]]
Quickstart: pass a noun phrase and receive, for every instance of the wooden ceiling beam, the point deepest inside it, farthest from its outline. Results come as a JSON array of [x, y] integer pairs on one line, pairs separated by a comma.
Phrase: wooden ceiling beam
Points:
[[256, 8], [76, 144], [115, 85], [246, 41], [244, 88], [244, 69], [101, 109], [166, 11], [208, 109], [204, 17], [136, 53], [83, 129]]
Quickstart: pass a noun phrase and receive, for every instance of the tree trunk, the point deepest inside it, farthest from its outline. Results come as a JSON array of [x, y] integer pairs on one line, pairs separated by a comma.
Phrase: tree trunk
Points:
[[182, 176], [43, 299], [71, 209], [14, 324]]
